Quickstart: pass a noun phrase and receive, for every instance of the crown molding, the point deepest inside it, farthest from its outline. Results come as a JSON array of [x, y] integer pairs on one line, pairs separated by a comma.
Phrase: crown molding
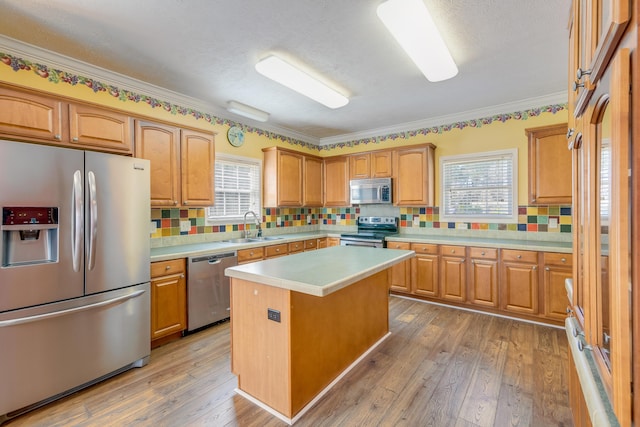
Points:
[[536, 102]]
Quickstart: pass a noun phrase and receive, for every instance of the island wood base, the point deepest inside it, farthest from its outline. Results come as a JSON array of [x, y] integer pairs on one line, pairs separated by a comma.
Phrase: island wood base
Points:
[[286, 365]]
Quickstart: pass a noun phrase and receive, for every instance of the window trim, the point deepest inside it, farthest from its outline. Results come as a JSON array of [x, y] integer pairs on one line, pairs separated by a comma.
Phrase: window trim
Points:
[[502, 219], [236, 219]]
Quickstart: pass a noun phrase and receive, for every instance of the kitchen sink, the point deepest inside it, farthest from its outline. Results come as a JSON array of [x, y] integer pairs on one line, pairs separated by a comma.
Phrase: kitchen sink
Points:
[[264, 239], [239, 240]]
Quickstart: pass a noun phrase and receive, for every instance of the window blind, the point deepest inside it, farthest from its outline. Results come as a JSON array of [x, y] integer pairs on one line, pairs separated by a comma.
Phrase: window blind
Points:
[[479, 187], [237, 189]]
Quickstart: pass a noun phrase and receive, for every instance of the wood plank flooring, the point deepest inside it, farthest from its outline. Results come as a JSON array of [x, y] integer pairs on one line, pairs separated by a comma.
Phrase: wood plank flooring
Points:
[[440, 367]]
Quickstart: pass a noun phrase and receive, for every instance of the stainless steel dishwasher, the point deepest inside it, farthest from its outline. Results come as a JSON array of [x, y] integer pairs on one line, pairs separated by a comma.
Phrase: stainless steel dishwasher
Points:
[[208, 293]]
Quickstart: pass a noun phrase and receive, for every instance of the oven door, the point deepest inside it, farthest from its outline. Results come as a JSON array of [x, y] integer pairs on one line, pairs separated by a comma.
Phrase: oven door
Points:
[[367, 243]]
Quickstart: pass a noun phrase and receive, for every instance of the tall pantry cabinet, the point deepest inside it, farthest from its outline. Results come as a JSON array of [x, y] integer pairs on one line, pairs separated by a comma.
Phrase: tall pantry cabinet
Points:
[[603, 329]]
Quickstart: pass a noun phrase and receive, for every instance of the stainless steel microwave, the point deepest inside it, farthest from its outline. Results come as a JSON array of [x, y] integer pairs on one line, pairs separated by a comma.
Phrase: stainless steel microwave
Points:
[[370, 191]]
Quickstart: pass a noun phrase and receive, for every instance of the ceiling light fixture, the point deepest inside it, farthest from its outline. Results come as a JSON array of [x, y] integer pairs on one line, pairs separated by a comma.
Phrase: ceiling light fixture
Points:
[[287, 75], [247, 111], [411, 24]]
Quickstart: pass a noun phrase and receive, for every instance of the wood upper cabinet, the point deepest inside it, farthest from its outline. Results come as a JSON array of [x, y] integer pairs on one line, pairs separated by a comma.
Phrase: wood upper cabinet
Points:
[[557, 268], [336, 181], [400, 273], [197, 167], [160, 144], [413, 172], [549, 165], [374, 164], [292, 179], [519, 281], [425, 270], [313, 178], [453, 273], [100, 129], [483, 277], [31, 117], [168, 298], [182, 164]]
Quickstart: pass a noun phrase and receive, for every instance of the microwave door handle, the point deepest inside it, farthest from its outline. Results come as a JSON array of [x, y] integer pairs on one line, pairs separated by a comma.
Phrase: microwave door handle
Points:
[[379, 198], [93, 219], [77, 225]]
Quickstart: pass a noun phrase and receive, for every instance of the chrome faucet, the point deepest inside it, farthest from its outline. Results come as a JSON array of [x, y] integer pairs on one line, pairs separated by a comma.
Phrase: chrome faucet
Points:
[[247, 233]]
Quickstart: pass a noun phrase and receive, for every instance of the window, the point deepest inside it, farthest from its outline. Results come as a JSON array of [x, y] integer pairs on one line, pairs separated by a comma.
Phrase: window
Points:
[[605, 180], [237, 189], [480, 187]]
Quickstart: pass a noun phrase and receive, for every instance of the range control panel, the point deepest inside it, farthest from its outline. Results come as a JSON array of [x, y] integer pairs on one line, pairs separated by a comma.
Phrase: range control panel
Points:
[[29, 215]]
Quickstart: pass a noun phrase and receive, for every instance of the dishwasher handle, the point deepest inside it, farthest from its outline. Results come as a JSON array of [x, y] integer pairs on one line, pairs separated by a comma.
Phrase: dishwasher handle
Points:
[[212, 259]]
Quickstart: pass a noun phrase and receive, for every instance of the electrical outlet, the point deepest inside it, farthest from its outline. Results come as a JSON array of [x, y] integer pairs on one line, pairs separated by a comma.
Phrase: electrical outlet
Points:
[[553, 222], [153, 228], [309, 219], [461, 225], [273, 315], [278, 221], [416, 221], [185, 225]]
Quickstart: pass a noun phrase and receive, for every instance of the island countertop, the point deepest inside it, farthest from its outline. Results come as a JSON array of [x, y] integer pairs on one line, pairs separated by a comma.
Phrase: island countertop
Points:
[[320, 272]]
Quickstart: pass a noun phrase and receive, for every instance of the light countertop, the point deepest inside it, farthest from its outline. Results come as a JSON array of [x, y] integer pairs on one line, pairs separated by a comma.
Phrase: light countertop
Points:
[[320, 272], [527, 245]]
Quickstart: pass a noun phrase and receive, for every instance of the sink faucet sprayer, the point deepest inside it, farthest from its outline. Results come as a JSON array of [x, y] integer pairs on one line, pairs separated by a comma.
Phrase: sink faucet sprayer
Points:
[[247, 233]]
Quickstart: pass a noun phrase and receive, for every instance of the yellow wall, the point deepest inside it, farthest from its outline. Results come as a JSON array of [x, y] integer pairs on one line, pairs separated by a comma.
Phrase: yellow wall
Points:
[[488, 137]]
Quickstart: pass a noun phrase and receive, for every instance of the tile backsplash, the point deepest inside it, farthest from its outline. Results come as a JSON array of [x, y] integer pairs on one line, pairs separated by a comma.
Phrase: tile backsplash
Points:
[[531, 219]]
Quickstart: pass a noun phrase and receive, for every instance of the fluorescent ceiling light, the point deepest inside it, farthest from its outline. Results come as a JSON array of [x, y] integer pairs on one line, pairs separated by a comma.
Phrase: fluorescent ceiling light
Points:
[[287, 75], [247, 111], [411, 24]]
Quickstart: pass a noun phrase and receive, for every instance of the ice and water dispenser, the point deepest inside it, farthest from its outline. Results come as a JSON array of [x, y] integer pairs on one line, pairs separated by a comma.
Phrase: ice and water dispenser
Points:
[[29, 236]]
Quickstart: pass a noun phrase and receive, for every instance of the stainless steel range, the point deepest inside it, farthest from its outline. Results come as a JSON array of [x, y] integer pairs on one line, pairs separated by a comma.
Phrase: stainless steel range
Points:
[[372, 231]]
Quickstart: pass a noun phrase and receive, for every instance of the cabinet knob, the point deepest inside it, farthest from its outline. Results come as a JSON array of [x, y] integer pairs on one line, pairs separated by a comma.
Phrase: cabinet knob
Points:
[[185, 203], [462, 261], [518, 256], [534, 268], [563, 260], [473, 261], [182, 276], [168, 267], [453, 251], [570, 133], [175, 203], [75, 139], [580, 73], [251, 253], [482, 253], [577, 85], [57, 136], [277, 249], [547, 269]]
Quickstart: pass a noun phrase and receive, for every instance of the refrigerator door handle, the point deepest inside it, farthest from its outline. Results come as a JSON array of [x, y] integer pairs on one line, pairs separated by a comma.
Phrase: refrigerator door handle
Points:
[[77, 227], [93, 219], [39, 317]]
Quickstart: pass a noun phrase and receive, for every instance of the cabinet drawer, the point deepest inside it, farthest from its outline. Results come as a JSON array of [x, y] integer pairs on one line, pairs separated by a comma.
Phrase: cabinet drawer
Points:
[[310, 244], [296, 246], [520, 256], [252, 254], [165, 268], [483, 253], [554, 258], [399, 245], [425, 248], [276, 250], [446, 250]]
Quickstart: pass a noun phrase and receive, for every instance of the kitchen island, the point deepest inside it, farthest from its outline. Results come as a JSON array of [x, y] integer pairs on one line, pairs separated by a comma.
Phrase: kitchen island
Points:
[[299, 322]]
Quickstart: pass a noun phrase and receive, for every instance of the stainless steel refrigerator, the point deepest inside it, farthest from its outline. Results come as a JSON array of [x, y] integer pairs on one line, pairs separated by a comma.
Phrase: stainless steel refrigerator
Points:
[[74, 271]]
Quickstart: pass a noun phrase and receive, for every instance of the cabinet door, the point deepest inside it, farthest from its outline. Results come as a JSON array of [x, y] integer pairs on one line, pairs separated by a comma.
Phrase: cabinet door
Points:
[[168, 305], [197, 165], [414, 173], [555, 294], [31, 117], [289, 179], [333, 241], [519, 287], [312, 173], [549, 165], [400, 273], [424, 275], [100, 129], [483, 282], [336, 181], [161, 145], [454, 278], [381, 164], [359, 167]]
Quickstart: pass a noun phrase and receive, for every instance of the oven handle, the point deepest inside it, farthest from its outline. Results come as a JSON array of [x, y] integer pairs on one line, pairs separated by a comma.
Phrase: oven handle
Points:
[[363, 243]]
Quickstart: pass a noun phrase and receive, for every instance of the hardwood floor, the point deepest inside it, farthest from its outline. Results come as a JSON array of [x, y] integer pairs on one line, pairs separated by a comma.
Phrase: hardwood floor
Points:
[[440, 367]]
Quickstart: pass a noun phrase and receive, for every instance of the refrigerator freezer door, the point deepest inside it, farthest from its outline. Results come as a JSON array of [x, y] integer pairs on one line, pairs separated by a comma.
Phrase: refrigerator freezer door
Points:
[[35, 176], [117, 222]]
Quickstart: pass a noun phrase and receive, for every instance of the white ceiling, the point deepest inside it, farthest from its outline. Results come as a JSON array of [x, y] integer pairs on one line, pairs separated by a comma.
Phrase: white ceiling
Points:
[[507, 51]]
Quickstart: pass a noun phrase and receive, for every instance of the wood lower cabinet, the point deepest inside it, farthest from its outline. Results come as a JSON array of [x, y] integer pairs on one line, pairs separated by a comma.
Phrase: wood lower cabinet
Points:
[[168, 300], [519, 281], [311, 244], [250, 255], [273, 251], [400, 273], [425, 270], [182, 164], [483, 277], [336, 181], [453, 274], [296, 247], [333, 241], [322, 242], [557, 268]]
